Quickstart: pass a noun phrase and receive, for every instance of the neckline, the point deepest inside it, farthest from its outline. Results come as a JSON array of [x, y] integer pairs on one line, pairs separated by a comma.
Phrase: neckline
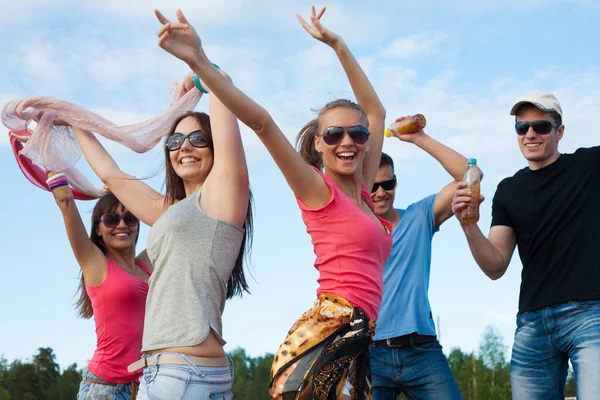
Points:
[[363, 195], [137, 264]]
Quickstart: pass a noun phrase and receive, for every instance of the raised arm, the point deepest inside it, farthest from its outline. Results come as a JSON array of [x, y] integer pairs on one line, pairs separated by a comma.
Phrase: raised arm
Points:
[[139, 198], [492, 254], [227, 185], [181, 40], [363, 90], [453, 162], [89, 257]]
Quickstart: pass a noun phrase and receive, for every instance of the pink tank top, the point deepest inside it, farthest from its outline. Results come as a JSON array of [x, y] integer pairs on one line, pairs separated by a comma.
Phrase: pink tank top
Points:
[[119, 305], [351, 248]]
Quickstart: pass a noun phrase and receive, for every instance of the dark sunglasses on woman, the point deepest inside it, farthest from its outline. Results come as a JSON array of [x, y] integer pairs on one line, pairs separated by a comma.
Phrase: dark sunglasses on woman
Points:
[[540, 127], [334, 134], [111, 220], [196, 138], [386, 185]]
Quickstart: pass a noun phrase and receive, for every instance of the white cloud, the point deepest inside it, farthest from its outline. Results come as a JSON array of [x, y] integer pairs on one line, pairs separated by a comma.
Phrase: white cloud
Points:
[[420, 44]]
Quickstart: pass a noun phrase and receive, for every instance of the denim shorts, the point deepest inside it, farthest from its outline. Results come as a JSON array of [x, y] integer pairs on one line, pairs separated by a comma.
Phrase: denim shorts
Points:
[[97, 391], [186, 382]]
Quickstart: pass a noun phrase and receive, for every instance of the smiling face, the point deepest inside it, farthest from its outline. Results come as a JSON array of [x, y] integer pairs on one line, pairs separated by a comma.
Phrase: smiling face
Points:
[[383, 200], [190, 163], [539, 150], [121, 237], [344, 158]]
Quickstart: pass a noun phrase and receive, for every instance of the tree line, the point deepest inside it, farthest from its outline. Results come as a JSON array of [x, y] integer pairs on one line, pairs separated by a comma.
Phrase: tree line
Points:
[[481, 375]]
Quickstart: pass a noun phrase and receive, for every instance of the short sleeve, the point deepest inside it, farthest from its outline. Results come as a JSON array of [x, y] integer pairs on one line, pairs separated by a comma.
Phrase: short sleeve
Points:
[[500, 215], [426, 207]]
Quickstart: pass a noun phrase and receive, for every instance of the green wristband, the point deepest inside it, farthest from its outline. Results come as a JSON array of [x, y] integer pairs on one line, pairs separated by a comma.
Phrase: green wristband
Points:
[[197, 81]]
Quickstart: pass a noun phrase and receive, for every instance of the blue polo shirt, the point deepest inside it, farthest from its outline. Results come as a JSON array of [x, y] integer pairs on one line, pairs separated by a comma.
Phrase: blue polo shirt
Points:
[[405, 305]]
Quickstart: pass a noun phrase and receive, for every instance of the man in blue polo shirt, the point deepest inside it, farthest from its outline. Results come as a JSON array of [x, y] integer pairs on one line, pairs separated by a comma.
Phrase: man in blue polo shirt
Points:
[[406, 356]]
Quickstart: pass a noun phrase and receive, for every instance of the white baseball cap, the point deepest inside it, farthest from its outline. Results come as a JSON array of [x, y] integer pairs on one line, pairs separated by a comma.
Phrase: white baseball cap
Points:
[[544, 101]]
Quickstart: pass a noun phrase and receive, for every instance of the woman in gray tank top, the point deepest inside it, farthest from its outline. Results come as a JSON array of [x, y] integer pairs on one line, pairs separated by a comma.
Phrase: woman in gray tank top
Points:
[[201, 229], [349, 137]]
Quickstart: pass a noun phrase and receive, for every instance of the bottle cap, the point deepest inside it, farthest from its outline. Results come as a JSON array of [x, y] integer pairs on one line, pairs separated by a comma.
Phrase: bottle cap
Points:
[[472, 161], [387, 132]]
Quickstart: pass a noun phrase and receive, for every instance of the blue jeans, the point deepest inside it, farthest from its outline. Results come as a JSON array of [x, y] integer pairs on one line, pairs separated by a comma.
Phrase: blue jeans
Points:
[[96, 391], [545, 340], [186, 382], [419, 371]]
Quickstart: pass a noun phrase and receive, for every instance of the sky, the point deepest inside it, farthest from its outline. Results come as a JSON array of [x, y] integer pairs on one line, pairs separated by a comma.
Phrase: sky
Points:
[[462, 63]]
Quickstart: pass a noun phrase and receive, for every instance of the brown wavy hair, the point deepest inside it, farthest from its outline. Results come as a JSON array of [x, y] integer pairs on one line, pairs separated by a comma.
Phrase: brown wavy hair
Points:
[[305, 142], [106, 204], [174, 191]]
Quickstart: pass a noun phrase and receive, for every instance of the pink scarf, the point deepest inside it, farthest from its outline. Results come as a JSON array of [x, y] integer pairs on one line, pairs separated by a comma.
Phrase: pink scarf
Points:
[[55, 148]]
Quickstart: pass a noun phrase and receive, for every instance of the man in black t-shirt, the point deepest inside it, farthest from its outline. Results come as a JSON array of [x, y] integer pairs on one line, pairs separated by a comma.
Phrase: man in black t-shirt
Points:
[[551, 211]]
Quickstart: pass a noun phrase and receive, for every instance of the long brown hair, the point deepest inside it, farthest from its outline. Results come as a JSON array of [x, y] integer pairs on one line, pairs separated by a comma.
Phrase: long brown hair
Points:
[[174, 191], [107, 203], [305, 140]]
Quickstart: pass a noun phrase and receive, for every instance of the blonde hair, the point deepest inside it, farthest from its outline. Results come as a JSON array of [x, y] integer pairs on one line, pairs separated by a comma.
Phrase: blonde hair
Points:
[[305, 142]]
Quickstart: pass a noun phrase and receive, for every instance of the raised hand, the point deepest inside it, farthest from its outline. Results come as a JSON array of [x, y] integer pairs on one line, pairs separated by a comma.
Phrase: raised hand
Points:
[[462, 199], [179, 38], [317, 30]]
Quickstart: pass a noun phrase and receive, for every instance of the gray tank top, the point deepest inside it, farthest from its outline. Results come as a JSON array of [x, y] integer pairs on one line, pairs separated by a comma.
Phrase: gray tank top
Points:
[[193, 256]]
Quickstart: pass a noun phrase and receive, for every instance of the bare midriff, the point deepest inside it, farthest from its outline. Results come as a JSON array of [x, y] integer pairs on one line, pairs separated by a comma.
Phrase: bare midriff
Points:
[[211, 348]]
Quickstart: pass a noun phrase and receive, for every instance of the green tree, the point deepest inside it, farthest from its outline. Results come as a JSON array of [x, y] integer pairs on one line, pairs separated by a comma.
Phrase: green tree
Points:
[[67, 384], [252, 375], [46, 369], [495, 376], [241, 370], [4, 394], [570, 387], [22, 381]]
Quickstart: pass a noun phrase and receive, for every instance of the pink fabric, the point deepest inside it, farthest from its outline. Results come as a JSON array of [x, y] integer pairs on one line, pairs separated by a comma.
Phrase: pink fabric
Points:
[[56, 148], [81, 188], [351, 249], [119, 305]]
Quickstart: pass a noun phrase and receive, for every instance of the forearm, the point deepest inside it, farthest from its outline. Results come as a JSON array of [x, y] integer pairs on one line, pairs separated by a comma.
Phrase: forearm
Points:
[[243, 107], [361, 86], [487, 256], [453, 162], [96, 155]]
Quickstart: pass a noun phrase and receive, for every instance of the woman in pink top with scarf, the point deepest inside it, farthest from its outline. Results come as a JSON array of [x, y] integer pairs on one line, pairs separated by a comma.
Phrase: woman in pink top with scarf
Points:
[[113, 289], [326, 352]]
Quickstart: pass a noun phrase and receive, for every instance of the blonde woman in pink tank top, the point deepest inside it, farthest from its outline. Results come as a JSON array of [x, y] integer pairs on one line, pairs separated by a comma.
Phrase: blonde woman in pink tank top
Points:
[[113, 290], [326, 352]]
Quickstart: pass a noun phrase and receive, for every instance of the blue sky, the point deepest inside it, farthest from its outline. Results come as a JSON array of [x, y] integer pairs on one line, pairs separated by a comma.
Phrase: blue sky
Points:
[[461, 63]]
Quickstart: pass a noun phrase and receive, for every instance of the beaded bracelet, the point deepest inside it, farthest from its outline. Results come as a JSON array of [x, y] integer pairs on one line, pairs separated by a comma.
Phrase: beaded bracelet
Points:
[[55, 177], [197, 83]]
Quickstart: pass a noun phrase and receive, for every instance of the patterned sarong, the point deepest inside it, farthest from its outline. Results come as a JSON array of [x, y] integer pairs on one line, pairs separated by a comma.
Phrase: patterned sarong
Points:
[[326, 347]]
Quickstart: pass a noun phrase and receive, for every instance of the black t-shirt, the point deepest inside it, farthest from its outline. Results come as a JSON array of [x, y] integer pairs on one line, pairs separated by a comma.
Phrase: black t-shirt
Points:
[[555, 212]]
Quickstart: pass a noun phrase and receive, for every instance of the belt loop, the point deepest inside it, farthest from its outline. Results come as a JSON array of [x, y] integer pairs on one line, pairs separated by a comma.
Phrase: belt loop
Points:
[[388, 342], [190, 364], [411, 337], [232, 367]]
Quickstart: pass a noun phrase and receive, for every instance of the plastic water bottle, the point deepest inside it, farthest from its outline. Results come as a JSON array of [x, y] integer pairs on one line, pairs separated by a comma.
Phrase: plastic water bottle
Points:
[[470, 215], [407, 125]]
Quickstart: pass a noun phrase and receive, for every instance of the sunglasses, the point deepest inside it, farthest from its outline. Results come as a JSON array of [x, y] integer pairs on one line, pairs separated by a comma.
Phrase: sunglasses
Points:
[[386, 185], [111, 220], [196, 138], [334, 134], [540, 127]]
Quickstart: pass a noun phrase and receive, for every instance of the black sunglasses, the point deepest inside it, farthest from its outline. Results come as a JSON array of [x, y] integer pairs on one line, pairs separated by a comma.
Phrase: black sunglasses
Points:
[[334, 134], [175, 140], [386, 185], [111, 220], [540, 127]]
